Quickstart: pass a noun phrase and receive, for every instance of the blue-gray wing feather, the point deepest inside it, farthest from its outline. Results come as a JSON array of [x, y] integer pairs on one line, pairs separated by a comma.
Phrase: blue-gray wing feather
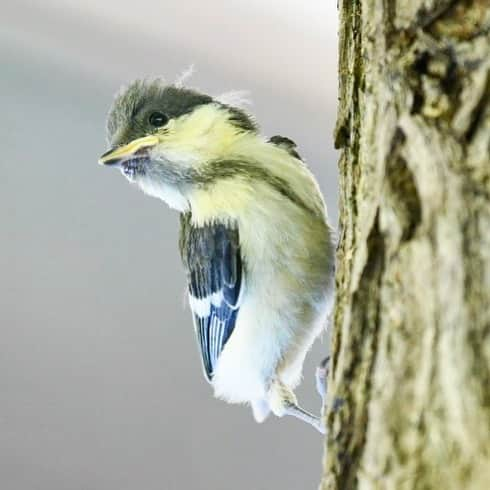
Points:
[[211, 256]]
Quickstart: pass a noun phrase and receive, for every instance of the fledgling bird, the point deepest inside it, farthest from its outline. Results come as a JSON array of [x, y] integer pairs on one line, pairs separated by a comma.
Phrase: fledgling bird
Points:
[[254, 237]]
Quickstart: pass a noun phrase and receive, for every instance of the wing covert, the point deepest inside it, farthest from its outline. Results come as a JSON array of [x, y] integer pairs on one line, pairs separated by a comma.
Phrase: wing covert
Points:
[[211, 256]]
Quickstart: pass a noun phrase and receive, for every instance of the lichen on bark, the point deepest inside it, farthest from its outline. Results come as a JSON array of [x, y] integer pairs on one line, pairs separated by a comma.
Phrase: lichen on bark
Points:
[[409, 390]]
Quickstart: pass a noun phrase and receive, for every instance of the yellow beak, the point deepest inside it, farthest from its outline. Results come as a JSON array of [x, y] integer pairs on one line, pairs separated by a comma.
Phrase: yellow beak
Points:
[[115, 155]]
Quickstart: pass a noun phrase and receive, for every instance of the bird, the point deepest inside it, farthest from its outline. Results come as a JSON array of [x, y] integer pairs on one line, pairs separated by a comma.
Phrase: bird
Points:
[[255, 241]]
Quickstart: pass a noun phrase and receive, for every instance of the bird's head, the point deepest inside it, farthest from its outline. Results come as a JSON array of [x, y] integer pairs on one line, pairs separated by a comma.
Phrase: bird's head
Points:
[[162, 136]]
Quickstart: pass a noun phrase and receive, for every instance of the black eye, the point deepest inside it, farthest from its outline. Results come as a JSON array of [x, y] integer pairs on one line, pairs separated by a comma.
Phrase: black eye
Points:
[[158, 119]]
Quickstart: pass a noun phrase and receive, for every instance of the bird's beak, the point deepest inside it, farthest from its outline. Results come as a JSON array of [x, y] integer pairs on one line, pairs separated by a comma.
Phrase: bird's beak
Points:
[[115, 155]]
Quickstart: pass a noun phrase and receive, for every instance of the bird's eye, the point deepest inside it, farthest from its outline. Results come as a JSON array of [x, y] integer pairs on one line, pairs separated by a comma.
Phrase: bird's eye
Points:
[[158, 119]]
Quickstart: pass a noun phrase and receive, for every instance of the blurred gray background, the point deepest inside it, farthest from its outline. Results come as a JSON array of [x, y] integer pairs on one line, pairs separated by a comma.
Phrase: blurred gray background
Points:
[[100, 380]]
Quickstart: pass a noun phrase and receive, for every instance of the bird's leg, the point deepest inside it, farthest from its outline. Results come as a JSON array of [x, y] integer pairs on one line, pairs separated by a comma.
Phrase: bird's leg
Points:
[[321, 380], [282, 401], [305, 416]]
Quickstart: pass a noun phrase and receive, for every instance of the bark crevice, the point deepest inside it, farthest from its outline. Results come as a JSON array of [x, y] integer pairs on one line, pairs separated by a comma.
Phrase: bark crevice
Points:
[[409, 400]]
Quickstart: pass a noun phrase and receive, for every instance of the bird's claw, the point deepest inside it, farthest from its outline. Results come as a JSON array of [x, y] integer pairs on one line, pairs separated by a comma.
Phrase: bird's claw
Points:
[[321, 376]]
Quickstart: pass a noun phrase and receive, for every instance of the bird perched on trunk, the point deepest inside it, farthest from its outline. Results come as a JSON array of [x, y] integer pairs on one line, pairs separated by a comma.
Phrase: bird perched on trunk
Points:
[[254, 238]]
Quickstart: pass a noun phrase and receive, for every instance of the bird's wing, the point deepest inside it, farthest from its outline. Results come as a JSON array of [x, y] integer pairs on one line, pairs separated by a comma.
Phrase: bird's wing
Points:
[[285, 143], [211, 256]]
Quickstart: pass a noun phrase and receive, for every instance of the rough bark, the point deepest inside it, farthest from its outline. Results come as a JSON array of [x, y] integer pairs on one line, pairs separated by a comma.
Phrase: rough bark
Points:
[[409, 389]]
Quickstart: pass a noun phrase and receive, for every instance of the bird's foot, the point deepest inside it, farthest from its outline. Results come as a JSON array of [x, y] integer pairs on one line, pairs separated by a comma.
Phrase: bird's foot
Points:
[[302, 414], [321, 376], [282, 401]]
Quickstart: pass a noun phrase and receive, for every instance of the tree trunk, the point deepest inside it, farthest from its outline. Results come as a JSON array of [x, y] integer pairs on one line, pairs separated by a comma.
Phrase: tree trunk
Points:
[[409, 389]]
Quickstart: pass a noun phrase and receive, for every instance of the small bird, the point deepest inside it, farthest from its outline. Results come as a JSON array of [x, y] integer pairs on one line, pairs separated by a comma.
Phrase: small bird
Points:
[[254, 238]]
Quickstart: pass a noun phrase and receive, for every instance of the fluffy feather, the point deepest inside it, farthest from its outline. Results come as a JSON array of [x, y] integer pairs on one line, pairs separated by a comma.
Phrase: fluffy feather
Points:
[[211, 163], [235, 98], [181, 80]]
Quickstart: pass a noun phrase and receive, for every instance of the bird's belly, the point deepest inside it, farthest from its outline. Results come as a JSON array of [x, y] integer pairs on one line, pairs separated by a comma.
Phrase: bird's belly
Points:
[[250, 356], [265, 336], [289, 260]]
